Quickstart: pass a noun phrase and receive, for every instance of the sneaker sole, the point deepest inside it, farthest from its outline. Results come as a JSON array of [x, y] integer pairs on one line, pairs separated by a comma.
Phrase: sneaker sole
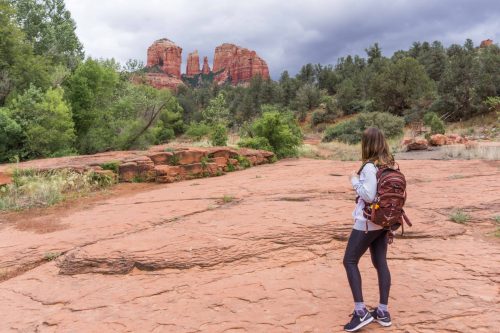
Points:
[[384, 323], [363, 324]]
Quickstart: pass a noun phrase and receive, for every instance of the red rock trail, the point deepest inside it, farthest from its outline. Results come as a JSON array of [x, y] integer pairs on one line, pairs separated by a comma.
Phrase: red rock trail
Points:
[[268, 258]]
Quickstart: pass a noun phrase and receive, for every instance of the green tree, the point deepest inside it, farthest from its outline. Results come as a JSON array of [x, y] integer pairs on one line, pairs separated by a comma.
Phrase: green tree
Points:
[[374, 52], [91, 90], [49, 27], [347, 96], [458, 96], [308, 97], [46, 121], [307, 74], [19, 67], [401, 85], [217, 111], [11, 136], [289, 88]]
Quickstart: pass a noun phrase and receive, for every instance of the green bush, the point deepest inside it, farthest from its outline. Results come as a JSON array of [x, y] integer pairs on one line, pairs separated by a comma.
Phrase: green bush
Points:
[[198, 131], [346, 131], [243, 161], [281, 131], [255, 143], [432, 120], [350, 131], [318, 117], [113, 166], [164, 135], [218, 135]]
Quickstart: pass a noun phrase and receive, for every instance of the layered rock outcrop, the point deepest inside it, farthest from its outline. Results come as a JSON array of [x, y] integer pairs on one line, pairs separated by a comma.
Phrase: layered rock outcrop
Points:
[[232, 64], [166, 56], [486, 43], [193, 64], [159, 164], [180, 258], [236, 64], [206, 66]]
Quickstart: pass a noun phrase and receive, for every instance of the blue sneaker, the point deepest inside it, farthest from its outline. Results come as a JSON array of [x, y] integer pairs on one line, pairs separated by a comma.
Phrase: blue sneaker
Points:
[[359, 319], [382, 317]]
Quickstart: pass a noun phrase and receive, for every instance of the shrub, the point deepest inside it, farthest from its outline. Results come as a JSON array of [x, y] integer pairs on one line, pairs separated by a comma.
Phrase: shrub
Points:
[[255, 143], [198, 131], [218, 135], [318, 117], [350, 131], [164, 135], [432, 120], [281, 131], [460, 217], [243, 161], [113, 166]]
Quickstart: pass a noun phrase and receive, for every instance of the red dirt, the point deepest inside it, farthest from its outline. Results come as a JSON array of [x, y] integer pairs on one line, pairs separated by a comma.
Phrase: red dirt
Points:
[[178, 258]]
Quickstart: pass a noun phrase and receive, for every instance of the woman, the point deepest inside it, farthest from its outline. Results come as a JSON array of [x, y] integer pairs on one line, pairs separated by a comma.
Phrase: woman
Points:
[[365, 234]]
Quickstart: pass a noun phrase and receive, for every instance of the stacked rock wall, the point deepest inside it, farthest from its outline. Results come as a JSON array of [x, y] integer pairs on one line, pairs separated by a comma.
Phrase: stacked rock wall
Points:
[[160, 164]]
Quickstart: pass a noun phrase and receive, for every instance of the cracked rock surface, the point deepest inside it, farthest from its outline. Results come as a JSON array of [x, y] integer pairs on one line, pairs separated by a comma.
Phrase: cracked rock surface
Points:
[[259, 250]]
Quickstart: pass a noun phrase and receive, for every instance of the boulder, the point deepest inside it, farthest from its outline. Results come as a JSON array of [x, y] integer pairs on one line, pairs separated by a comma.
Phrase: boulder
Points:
[[221, 162], [5, 178], [190, 156], [456, 139], [225, 152], [438, 140], [140, 169], [419, 144], [161, 158]]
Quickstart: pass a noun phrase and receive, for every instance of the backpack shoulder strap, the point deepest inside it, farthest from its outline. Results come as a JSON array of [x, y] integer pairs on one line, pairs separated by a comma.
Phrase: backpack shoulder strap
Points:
[[362, 166]]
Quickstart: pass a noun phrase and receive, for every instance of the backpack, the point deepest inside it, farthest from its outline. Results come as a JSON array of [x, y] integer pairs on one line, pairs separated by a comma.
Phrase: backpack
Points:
[[386, 209]]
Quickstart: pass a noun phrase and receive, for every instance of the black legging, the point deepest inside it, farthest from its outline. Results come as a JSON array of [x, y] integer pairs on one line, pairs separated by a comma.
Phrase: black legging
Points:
[[358, 243]]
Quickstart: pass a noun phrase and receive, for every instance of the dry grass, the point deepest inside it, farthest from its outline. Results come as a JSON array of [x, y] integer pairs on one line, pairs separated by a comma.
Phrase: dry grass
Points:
[[483, 126], [340, 151], [331, 151], [481, 152], [40, 189]]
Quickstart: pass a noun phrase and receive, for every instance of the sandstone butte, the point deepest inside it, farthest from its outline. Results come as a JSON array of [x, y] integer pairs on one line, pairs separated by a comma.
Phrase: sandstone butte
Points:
[[232, 64], [193, 64], [178, 258], [206, 67], [486, 42]]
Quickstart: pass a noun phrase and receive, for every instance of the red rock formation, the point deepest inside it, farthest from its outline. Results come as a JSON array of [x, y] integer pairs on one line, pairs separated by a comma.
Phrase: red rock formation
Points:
[[161, 80], [232, 64], [486, 43], [206, 67], [237, 64], [193, 64], [167, 56]]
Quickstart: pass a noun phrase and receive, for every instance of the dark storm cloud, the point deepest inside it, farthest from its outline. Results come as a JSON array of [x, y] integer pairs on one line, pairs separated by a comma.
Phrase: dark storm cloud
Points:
[[287, 34]]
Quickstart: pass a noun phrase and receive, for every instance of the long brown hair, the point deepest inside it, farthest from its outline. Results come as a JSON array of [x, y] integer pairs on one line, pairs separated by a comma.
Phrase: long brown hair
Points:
[[374, 148]]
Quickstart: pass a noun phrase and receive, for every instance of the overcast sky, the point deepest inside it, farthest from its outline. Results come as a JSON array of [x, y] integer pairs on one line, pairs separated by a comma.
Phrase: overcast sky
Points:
[[287, 34]]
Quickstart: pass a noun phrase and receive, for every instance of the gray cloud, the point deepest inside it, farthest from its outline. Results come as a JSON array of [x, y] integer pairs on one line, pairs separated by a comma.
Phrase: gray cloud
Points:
[[287, 34]]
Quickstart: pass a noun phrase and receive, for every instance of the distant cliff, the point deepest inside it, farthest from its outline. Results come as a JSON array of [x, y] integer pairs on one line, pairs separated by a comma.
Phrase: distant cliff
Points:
[[232, 64]]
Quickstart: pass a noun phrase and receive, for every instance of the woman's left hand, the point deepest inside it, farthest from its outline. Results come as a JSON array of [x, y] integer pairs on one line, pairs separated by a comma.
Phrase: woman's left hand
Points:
[[353, 175]]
